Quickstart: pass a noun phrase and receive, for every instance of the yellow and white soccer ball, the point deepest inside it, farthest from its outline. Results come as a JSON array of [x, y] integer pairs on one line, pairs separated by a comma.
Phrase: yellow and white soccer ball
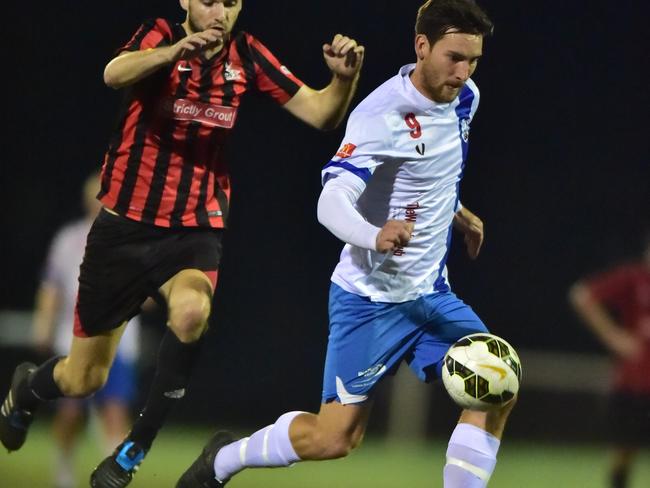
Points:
[[481, 372]]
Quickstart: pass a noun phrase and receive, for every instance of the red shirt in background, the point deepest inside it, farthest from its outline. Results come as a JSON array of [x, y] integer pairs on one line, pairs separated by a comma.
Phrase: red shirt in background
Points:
[[626, 291]]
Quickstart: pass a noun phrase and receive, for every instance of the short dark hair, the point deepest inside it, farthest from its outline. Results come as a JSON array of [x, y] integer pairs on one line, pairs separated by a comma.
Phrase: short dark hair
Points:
[[438, 17]]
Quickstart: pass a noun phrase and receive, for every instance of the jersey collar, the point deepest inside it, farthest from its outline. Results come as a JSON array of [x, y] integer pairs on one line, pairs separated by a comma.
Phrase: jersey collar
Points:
[[416, 97]]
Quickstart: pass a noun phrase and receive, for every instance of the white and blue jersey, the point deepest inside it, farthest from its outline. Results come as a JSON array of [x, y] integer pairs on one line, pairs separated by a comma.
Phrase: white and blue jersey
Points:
[[409, 152], [403, 156]]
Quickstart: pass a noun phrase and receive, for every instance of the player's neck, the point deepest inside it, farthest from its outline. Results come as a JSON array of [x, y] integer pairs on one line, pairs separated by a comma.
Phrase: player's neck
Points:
[[212, 52], [418, 82]]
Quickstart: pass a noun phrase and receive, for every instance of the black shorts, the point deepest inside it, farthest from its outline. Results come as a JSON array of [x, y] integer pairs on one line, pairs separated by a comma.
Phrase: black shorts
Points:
[[628, 417], [126, 261]]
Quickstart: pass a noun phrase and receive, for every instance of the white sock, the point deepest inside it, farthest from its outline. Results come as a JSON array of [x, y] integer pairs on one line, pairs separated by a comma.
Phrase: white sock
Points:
[[471, 457], [64, 469], [268, 447]]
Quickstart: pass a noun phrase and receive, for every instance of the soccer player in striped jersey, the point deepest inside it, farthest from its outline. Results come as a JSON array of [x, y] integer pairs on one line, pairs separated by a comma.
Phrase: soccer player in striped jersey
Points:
[[391, 193], [165, 191]]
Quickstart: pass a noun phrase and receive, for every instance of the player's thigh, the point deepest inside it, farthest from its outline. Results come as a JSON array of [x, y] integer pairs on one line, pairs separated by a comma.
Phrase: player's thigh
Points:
[[446, 319], [187, 281], [450, 318], [367, 341], [191, 271], [113, 281]]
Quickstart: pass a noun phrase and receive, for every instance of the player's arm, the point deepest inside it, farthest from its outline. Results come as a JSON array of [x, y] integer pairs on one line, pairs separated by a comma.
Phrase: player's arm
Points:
[[472, 228], [132, 66], [325, 109], [46, 308], [337, 212], [601, 322]]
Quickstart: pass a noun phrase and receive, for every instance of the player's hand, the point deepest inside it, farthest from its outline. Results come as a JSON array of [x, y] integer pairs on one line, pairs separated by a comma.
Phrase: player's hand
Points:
[[472, 228], [394, 234], [623, 344], [343, 56], [194, 44]]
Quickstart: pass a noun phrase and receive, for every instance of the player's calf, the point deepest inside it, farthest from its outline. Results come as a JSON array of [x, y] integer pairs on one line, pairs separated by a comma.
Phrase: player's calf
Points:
[[322, 444], [176, 361], [83, 382]]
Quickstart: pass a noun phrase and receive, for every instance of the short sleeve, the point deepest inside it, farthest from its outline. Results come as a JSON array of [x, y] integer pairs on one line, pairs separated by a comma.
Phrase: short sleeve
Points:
[[271, 76], [364, 148], [151, 34]]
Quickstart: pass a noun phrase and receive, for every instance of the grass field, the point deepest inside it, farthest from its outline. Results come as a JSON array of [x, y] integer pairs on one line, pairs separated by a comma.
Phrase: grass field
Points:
[[375, 465]]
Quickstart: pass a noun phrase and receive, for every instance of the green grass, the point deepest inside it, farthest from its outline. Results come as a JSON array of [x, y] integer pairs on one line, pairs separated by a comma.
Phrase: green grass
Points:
[[375, 465]]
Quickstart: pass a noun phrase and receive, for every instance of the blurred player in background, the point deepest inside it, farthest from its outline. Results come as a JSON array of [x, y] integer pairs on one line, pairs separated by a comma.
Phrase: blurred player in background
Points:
[[166, 191], [391, 194], [53, 314], [615, 305]]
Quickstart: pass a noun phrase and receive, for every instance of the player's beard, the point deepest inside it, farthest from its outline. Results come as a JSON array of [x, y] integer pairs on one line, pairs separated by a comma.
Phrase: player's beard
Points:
[[439, 90], [447, 94], [195, 27]]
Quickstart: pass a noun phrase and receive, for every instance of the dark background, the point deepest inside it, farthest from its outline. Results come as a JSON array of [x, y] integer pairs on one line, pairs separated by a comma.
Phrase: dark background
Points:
[[558, 169]]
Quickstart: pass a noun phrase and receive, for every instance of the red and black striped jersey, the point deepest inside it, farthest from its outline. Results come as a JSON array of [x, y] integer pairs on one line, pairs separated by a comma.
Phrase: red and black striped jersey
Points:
[[164, 164]]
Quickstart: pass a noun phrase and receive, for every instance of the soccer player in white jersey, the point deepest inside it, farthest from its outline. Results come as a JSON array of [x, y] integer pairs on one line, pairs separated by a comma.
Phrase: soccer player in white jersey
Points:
[[391, 194]]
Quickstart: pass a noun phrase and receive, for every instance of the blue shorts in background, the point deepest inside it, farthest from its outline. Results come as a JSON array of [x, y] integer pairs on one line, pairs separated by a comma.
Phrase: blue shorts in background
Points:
[[120, 385], [368, 340]]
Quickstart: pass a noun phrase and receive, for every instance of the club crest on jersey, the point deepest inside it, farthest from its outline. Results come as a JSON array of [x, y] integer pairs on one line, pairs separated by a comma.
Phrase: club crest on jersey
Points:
[[464, 129], [230, 73], [346, 151]]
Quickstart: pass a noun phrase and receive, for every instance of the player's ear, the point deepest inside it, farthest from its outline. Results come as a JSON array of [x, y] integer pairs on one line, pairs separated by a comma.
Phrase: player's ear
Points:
[[422, 46], [184, 4]]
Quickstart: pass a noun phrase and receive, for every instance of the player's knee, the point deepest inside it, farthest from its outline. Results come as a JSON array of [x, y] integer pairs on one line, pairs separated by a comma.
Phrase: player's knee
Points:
[[188, 317]]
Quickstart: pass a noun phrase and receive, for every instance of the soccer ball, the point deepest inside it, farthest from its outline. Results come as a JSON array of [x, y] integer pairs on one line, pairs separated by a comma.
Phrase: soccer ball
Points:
[[481, 372]]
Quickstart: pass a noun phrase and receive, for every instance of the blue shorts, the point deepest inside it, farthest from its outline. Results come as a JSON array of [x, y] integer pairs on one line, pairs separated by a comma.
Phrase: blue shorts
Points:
[[368, 340]]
